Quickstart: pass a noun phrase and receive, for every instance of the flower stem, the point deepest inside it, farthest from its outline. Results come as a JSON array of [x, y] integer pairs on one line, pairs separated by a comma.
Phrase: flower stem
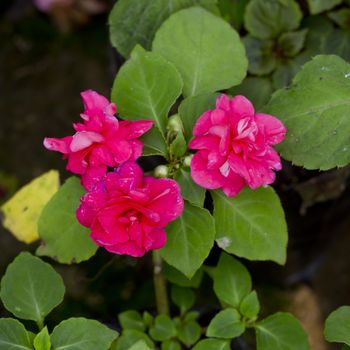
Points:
[[160, 284]]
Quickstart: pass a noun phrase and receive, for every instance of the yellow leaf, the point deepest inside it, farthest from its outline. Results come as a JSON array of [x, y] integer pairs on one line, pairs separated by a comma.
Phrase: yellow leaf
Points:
[[22, 211]]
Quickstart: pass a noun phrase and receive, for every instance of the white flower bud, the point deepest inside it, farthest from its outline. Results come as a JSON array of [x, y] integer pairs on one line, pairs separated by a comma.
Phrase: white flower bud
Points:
[[161, 171]]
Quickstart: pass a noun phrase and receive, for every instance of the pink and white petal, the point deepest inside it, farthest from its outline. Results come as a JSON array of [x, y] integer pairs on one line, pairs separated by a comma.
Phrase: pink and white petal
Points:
[[93, 100], [165, 199], [128, 248], [233, 185], [101, 155], [202, 176], [203, 124], [60, 145], [137, 147], [137, 128], [272, 127], [93, 176], [131, 171], [110, 126], [84, 139]]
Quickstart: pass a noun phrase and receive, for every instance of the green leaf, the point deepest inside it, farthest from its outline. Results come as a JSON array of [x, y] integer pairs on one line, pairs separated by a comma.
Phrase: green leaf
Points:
[[251, 225], [42, 341], [131, 319], [31, 288], [189, 189], [233, 11], [13, 335], [258, 90], [315, 112], [226, 324], [145, 87], [281, 331], [64, 238], [136, 21], [22, 211], [250, 305], [232, 281], [191, 316], [182, 297], [205, 49], [292, 43], [191, 108], [261, 58], [337, 326], [147, 319], [189, 332], [153, 143], [179, 146], [213, 344], [189, 240], [130, 337], [345, 347], [337, 42], [341, 17], [81, 333], [171, 345], [266, 19], [140, 345], [317, 6], [163, 328], [176, 277]]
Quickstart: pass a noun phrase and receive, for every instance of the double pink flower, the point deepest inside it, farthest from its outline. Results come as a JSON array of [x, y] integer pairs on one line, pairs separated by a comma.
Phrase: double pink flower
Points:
[[235, 146], [101, 141]]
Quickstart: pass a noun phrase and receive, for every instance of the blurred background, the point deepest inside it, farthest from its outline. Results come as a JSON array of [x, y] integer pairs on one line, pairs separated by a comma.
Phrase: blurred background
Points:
[[48, 55]]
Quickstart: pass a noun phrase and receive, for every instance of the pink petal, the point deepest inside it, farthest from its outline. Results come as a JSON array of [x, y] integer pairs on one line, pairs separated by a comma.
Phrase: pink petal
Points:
[[154, 239], [132, 171], [137, 129], [93, 176], [84, 139], [94, 100], [165, 199], [137, 147], [61, 145], [128, 248], [223, 102], [272, 127], [218, 116], [203, 124], [201, 175], [101, 155], [241, 107], [233, 185], [208, 142], [121, 149]]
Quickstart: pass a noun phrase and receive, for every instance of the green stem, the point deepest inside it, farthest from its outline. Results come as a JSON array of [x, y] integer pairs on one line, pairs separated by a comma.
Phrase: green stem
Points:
[[160, 284]]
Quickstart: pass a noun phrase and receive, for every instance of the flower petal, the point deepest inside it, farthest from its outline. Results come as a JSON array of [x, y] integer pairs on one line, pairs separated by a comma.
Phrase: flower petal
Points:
[[272, 127]]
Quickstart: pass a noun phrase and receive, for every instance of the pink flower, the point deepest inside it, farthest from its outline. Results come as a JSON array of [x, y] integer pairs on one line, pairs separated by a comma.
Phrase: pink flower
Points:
[[235, 146], [128, 211], [101, 141]]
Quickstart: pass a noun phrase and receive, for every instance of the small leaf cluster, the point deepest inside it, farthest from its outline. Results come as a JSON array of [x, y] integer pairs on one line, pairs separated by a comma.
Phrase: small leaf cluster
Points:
[[30, 290]]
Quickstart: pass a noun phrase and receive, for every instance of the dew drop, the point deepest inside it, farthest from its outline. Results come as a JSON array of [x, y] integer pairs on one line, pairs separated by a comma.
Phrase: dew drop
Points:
[[334, 132]]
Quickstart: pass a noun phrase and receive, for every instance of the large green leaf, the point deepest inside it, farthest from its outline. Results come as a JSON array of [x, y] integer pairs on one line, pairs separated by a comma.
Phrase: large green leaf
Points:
[[31, 288], [205, 49], [81, 333], [265, 19], [337, 326], [189, 240], [341, 17], [13, 335], [251, 225], [233, 11], [281, 331], [64, 238], [317, 6], [22, 211], [232, 281], [136, 21], [191, 108], [153, 143], [189, 189], [315, 111], [146, 87], [226, 324], [176, 277]]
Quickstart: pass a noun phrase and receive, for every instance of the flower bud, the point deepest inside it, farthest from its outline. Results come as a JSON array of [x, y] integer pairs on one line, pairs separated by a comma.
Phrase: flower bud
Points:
[[187, 160], [175, 123], [161, 171]]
